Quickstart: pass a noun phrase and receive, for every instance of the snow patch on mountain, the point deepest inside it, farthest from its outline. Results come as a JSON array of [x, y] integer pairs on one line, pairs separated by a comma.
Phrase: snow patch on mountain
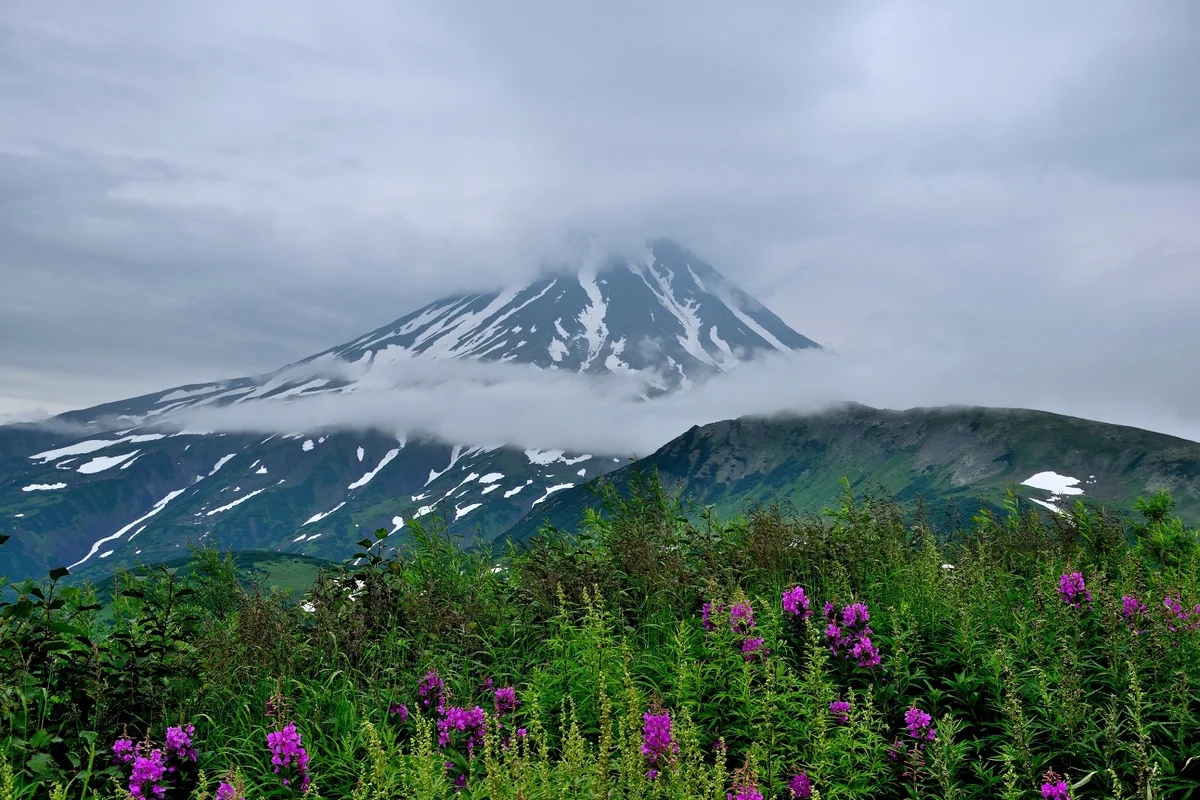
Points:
[[237, 502], [101, 463], [365, 479], [159, 506]]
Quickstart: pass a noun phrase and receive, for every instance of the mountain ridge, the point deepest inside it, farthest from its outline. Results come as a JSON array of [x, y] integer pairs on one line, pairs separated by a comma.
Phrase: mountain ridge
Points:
[[957, 458]]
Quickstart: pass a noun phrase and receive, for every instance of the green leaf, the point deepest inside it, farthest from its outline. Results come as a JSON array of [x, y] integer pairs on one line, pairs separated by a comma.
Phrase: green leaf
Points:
[[40, 764], [59, 572]]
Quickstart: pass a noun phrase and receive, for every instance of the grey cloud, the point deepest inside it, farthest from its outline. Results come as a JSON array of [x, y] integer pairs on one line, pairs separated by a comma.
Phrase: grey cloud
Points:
[[470, 402], [191, 192]]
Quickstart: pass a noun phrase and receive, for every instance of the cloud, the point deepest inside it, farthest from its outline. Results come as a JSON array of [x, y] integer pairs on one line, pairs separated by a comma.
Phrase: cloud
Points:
[[462, 401], [194, 192]]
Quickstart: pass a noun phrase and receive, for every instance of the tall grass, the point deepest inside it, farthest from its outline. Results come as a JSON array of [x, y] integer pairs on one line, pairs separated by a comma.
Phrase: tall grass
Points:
[[1001, 674]]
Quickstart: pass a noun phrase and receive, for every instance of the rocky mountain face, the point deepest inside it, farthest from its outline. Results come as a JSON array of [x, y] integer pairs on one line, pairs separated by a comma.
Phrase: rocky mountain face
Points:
[[127, 480]]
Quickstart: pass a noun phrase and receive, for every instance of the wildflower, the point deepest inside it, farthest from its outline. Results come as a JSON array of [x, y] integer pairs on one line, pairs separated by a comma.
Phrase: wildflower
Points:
[[287, 750], [232, 788], [651, 774], [848, 635], [468, 721], [919, 725], [657, 742], [1174, 605], [1054, 787], [706, 615], [796, 603], [741, 618], [123, 751], [801, 786], [745, 786], [894, 751], [855, 615], [754, 647], [146, 780], [1073, 590], [179, 743], [719, 744], [400, 710], [841, 711], [432, 692], [1134, 613], [505, 701]]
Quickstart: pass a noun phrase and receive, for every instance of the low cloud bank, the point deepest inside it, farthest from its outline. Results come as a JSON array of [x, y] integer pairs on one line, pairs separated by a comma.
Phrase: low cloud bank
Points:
[[468, 402]]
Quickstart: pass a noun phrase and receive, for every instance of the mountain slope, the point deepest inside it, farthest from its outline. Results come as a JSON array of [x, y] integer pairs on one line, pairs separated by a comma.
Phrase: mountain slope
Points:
[[955, 458], [129, 484]]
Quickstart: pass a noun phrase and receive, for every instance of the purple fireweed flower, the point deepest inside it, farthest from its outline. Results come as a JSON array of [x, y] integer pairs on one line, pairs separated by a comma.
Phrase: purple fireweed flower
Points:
[[468, 721], [123, 751], [656, 737], [287, 750], [864, 653], [1174, 606], [753, 648], [855, 615], [800, 786], [841, 712], [146, 780], [398, 709], [848, 635], [919, 725], [719, 744], [1134, 612], [1056, 791], [706, 614], [1054, 787], [741, 618], [744, 788], [1073, 590], [796, 603], [432, 692], [179, 743], [231, 791], [505, 701], [651, 774]]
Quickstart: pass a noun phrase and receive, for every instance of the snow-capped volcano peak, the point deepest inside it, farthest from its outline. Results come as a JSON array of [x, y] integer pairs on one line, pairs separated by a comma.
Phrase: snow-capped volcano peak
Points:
[[670, 315], [667, 319]]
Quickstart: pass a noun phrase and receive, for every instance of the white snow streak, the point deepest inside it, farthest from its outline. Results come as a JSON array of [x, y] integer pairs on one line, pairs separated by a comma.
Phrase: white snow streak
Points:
[[159, 506], [101, 463], [319, 517], [239, 501], [365, 479], [1054, 483], [222, 461], [550, 490], [43, 487], [462, 512]]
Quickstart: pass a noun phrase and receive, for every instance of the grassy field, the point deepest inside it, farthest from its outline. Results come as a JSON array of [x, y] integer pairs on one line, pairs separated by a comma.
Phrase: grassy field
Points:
[[855, 653]]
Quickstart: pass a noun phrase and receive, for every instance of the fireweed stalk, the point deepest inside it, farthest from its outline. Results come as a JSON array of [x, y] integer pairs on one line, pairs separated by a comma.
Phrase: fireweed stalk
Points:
[[1073, 590], [289, 758], [658, 746], [155, 770], [848, 635]]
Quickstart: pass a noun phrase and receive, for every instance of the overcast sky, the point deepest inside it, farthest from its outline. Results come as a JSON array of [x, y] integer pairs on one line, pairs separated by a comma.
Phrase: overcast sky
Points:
[[191, 191]]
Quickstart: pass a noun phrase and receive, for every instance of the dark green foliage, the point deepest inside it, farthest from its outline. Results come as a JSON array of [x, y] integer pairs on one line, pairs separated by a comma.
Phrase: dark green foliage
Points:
[[596, 626]]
